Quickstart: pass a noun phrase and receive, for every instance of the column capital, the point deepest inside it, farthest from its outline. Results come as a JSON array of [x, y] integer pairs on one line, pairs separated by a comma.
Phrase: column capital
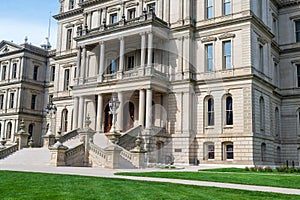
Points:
[[121, 38], [102, 42], [143, 34]]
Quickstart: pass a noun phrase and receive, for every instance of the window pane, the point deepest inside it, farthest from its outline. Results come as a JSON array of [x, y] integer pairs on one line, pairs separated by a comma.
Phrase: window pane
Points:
[[229, 151], [297, 25], [209, 12], [209, 57], [227, 8], [211, 151], [229, 112]]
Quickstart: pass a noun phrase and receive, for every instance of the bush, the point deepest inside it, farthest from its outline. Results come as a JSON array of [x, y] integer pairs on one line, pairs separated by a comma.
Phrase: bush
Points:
[[268, 169], [260, 169], [253, 169], [247, 169]]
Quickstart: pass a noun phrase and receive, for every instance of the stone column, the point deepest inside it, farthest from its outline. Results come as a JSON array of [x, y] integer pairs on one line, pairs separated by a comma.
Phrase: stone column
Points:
[[83, 64], [150, 48], [81, 112], [120, 116], [122, 57], [99, 114], [101, 61], [99, 18], [75, 113], [167, 11], [186, 56], [78, 62], [142, 108], [187, 12], [89, 20], [143, 49], [149, 109]]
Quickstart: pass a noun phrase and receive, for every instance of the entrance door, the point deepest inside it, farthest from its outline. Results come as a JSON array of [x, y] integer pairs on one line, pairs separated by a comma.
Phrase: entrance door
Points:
[[128, 122], [108, 120]]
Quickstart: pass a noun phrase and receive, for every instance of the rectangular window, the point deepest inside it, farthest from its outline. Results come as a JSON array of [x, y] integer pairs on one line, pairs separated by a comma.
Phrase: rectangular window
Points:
[[261, 57], [210, 112], [14, 71], [11, 100], [52, 75], [112, 67], [227, 54], [297, 24], [113, 18], [69, 39], [33, 101], [211, 151], [71, 4], [209, 57], [67, 79], [298, 75], [3, 77], [226, 7], [130, 62], [275, 29], [131, 13], [1, 101], [229, 151], [35, 72], [151, 7], [209, 9]]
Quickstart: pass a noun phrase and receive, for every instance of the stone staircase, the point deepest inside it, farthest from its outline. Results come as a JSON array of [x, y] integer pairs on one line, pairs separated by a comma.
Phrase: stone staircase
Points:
[[30, 156]]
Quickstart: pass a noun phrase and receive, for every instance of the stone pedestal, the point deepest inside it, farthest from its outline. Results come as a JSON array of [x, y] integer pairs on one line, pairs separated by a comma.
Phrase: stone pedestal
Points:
[[48, 140], [138, 158], [86, 135], [58, 154], [112, 157], [22, 138]]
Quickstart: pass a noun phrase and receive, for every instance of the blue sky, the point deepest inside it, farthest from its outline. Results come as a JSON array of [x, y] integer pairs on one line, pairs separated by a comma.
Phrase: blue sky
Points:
[[20, 18]]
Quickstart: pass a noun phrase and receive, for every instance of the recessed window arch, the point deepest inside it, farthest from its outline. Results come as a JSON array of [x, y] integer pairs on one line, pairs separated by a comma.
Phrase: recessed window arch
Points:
[[9, 130], [228, 110], [209, 111], [262, 114], [64, 121], [228, 150], [209, 151]]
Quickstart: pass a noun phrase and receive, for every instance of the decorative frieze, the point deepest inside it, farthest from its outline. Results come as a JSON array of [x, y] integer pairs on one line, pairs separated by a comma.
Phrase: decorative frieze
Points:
[[226, 36], [208, 39]]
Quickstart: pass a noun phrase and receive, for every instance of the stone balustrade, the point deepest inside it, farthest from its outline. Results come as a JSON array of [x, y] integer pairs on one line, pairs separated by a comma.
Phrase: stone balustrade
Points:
[[8, 150]]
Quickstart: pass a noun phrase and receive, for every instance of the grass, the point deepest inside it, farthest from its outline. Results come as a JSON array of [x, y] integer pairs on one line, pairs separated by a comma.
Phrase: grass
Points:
[[230, 175], [22, 185]]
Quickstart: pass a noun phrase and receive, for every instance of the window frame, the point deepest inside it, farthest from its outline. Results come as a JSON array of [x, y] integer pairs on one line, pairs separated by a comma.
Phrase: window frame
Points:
[[52, 74], [113, 18], [297, 32], [228, 111], [130, 60], [69, 39], [1, 102], [71, 4], [262, 114], [35, 72], [226, 2], [33, 101], [225, 56], [131, 11], [9, 130], [3, 72], [14, 71], [210, 114], [151, 5], [66, 79], [227, 152], [11, 100], [209, 60], [298, 74], [209, 8]]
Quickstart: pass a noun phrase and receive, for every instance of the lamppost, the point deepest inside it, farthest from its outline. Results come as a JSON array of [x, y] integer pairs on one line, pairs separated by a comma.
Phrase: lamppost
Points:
[[51, 110], [114, 104]]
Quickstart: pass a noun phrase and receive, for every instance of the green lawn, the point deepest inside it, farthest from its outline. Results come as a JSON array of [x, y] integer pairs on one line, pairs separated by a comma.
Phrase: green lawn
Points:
[[21, 185], [230, 175]]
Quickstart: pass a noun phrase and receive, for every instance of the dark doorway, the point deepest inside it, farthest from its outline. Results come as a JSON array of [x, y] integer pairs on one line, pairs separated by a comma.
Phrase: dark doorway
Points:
[[108, 120], [128, 122]]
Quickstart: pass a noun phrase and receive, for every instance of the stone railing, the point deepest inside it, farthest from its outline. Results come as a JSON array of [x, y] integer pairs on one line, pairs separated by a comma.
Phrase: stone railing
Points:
[[74, 156], [127, 140], [69, 135], [97, 155], [8, 150], [126, 155]]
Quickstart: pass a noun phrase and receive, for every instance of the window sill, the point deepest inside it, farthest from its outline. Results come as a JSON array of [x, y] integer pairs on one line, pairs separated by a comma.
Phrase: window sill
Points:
[[228, 127], [209, 127]]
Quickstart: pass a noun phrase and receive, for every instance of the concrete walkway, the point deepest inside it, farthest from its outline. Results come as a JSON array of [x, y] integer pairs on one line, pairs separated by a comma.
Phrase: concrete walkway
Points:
[[108, 173]]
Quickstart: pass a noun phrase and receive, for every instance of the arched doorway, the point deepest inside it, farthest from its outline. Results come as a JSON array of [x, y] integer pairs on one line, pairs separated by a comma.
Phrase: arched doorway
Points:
[[108, 120], [128, 119]]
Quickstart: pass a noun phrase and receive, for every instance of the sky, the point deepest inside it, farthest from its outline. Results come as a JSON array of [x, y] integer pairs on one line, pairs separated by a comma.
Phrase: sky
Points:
[[20, 18]]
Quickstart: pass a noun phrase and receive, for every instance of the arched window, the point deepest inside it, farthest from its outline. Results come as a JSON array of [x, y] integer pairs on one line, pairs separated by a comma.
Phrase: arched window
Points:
[[31, 130], [64, 121], [8, 130], [210, 112], [277, 126], [229, 111], [263, 151], [262, 114], [228, 153]]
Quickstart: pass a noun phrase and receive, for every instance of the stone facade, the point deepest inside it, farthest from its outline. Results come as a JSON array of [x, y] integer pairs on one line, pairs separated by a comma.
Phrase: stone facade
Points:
[[209, 81]]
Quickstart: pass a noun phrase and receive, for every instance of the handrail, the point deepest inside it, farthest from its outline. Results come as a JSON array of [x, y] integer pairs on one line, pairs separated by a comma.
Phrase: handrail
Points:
[[97, 150], [9, 150], [73, 151], [69, 135], [126, 154]]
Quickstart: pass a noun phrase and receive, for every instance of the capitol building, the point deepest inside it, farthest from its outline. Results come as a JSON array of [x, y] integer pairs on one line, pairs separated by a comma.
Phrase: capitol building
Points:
[[198, 81]]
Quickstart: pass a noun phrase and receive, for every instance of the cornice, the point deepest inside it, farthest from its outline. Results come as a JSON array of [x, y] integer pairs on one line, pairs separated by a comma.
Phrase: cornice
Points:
[[88, 3], [70, 55], [67, 14]]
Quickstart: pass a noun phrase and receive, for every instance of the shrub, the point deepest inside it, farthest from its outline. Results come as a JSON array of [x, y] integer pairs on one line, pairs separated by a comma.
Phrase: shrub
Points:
[[247, 169], [260, 169], [253, 169], [268, 169]]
